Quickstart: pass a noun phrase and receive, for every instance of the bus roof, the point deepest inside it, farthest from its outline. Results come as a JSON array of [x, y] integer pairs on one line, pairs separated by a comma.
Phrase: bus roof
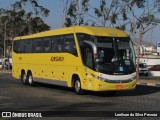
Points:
[[92, 30]]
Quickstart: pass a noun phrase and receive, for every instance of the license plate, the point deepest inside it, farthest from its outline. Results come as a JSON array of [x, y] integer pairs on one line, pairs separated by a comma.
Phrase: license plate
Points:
[[119, 86]]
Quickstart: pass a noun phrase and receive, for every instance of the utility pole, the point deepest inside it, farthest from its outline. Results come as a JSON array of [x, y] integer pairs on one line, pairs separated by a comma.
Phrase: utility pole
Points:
[[103, 12], [79, 14], [63, 9], [5, 37], [134, 37]]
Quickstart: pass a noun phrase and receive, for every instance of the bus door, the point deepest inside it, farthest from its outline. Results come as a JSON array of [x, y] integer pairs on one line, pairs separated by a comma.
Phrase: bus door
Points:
[[88, 55]]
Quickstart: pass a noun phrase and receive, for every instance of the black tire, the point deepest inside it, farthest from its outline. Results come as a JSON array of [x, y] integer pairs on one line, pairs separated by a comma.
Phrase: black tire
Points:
[[30, 79], [24, 78], [77, 86]]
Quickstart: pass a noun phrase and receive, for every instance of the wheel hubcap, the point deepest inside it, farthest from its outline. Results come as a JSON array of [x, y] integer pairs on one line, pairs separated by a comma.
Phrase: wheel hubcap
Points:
[[24, 78], [30, 79], [77, 86]]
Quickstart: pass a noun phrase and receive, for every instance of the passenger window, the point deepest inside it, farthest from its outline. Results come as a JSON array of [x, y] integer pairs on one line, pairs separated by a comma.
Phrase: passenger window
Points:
[[53, 45], [28, 46], [59, 43], [69, 44], [38, 45], [81, 37], [46, 44], [20, 46], [16, 47]]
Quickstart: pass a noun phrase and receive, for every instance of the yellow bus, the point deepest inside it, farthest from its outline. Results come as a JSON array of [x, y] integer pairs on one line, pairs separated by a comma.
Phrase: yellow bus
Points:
[[80, 57]]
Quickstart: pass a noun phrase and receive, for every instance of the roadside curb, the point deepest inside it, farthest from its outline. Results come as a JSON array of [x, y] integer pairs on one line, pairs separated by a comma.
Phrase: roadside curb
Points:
[[149, 84], [5, 71]]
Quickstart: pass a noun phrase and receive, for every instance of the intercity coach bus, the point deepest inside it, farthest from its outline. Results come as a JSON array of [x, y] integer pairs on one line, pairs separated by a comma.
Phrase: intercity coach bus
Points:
[[80, 57]]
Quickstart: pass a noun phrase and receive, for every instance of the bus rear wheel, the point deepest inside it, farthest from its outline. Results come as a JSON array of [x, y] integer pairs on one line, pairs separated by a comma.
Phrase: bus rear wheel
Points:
[[24, 78], [30, 79], [77, 86]]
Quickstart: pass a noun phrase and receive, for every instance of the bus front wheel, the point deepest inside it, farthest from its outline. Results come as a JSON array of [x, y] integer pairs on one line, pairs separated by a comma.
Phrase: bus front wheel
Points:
[[77, 86]]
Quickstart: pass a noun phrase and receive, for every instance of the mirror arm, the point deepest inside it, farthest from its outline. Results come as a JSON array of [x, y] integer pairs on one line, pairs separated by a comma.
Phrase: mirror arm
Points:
[[93, 47]]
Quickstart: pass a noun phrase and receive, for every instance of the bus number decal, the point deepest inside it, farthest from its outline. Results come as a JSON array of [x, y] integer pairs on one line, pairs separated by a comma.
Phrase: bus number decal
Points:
[[57, 58]]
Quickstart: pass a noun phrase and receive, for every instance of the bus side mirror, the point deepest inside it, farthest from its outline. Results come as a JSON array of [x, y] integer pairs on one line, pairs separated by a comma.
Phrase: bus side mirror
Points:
[[92, 46]]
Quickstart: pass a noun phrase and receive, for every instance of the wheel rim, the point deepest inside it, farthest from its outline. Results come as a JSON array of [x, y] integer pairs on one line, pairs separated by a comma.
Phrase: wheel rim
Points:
[[30, 79], [77, 85], [24, 78]]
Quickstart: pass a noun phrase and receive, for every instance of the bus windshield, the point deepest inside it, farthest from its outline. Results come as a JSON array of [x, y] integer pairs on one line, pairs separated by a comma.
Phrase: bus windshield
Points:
[[114, 55]]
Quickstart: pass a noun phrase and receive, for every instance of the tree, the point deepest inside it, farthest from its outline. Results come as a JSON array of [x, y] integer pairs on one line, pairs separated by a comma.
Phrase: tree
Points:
[[148, 17], [143, 21], [38, 9], [112, 12], [21, 22], [17, 21], [75, 12], [143, 16]]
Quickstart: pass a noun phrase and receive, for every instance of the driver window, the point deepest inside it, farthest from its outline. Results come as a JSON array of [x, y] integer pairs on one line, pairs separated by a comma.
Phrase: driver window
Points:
[[100, 57], [89, 58]]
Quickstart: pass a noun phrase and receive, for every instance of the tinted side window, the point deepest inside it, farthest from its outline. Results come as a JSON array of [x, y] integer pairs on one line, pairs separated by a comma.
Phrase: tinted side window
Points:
[[38, 45], [28, 48], [22, 47], [59, 40], [19, 46], [69, 44], [53, 45], [60, 43], [16, 46], [82, 37], [46, 44]]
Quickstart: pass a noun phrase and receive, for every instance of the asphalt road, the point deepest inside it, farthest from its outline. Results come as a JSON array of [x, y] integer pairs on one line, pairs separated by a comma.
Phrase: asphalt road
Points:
[[14, 96]]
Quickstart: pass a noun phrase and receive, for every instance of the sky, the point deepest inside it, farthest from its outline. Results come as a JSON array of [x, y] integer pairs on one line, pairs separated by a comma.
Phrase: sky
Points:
[[55, 16], [55, 6]]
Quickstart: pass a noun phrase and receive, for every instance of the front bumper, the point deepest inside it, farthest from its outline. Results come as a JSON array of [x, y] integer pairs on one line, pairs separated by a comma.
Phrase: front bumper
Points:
[[97, 85]]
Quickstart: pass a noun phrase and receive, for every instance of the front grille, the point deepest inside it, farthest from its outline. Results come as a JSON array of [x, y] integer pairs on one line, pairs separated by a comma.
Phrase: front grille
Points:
[[118, 81]]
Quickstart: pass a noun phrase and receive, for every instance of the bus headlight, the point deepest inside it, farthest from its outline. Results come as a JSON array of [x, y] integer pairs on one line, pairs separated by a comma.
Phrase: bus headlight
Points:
[[114, 81], [133, 78], [100, 78]]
